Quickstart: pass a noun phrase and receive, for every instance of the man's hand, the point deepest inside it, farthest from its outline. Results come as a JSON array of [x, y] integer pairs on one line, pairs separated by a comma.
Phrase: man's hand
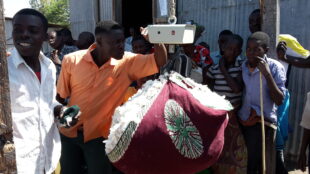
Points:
[[263, 67], [67, 116], [281, 51], [55, 57], [222, 65], [145, 33]]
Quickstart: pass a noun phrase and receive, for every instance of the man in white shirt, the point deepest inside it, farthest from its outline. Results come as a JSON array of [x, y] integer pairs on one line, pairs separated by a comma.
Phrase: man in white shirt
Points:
[[32, 78]]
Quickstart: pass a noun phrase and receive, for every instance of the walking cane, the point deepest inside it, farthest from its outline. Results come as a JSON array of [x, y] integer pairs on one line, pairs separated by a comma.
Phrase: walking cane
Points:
[[263, 124]]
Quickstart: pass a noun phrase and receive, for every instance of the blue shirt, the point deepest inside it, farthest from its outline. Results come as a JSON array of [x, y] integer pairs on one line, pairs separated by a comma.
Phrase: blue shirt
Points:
[[251, 96], [216, 56]]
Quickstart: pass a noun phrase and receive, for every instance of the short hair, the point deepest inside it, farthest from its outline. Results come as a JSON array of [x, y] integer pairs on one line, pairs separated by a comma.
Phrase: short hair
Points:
[[88, 35], [239, 39], [29, 11], [138, 37], [107, 26], [225, 32], [65, 32], [147, 43], [256, 11], [262, 37], [57, 32], [205, 45]]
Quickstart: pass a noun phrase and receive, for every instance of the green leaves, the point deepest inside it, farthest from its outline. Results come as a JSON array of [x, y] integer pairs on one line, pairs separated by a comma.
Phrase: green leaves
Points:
[[56, 11]]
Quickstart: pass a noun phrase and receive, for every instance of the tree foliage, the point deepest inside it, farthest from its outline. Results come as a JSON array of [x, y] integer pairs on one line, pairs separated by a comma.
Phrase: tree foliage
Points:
[[56, 11]]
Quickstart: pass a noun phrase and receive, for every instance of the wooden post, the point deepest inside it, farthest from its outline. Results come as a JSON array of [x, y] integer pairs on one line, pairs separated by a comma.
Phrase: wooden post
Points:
[[270, 11], [7, 149]]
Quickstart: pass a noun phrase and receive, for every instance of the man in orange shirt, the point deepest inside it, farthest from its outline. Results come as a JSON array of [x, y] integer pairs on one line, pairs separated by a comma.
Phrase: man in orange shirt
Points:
[[96, 80]]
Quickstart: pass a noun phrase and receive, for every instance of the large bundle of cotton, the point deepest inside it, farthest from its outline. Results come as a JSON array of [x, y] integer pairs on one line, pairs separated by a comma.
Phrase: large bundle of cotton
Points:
[[172, 125]]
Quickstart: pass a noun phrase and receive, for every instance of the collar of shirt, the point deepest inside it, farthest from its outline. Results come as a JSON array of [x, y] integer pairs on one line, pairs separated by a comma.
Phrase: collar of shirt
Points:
[[18, 60], [217, 54], [89, 58]]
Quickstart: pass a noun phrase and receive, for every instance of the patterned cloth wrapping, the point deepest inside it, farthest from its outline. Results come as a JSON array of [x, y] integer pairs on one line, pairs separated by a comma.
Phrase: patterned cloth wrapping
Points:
[[172, 125]]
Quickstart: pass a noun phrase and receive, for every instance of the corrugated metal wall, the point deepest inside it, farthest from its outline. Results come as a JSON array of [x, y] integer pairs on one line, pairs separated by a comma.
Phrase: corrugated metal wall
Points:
[[295, 20], [82, 16], [217, 15], [106, 9]]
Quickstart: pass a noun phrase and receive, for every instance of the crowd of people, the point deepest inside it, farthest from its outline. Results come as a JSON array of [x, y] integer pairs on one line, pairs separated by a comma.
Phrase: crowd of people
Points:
[[100, 71]]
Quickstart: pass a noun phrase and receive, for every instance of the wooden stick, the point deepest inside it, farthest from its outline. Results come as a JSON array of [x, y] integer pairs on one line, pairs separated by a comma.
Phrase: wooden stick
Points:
[[262, 123], [7, 149]]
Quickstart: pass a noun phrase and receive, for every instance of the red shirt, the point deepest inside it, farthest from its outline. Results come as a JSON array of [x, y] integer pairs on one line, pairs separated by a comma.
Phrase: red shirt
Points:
[[202, 56], [38, 74]]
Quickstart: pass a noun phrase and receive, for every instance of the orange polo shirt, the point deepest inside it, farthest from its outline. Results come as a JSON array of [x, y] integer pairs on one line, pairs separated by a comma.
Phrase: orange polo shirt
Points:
[[98, 91]]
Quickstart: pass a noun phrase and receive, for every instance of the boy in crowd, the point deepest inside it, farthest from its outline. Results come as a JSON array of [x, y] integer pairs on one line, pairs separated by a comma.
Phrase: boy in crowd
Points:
[[283, 110], [140, 45], [85, 40], [67, 37], [223, 37], [225, 79], [273, 87], [128, 40], [60, 49], [32, 78]]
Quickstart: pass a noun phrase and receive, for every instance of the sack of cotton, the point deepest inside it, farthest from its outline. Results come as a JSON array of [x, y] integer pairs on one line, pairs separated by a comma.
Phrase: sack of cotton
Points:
[[172, 125]]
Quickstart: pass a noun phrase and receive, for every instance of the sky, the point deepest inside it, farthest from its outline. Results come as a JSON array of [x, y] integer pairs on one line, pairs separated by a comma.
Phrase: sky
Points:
[[12, 6]]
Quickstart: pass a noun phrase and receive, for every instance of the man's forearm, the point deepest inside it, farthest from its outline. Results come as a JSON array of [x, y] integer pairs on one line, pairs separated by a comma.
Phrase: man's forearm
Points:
[[61, 100], [160, 54], [275, 93], [297, 61]]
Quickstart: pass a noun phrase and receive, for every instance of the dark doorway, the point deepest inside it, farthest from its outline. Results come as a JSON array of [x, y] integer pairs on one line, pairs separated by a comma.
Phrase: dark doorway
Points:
[[136, 13]]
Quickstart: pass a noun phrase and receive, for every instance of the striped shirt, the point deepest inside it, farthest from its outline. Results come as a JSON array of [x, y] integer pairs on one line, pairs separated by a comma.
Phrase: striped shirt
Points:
[[220, 85]]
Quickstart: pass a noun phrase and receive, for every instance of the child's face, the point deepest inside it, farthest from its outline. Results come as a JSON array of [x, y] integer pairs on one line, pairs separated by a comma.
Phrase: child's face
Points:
[[28, 35], [253, 51], [54, 40], [231, 51], [222, 41], [138, 46], [255, 23]]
